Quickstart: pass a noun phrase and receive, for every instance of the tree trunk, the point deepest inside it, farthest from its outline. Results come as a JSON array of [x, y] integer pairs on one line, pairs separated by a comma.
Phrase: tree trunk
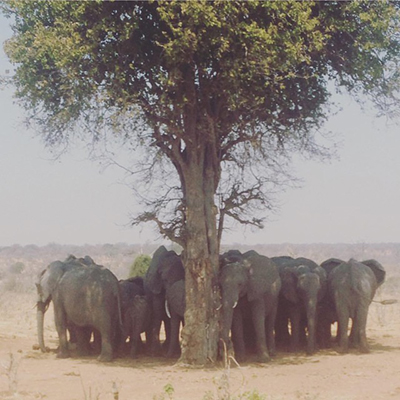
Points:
[[201, 332]]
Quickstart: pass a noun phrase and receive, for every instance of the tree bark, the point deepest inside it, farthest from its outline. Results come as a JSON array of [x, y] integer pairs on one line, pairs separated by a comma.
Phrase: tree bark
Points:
[[201, 332]]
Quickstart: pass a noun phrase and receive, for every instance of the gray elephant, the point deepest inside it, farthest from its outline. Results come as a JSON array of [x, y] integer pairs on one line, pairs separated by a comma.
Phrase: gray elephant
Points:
[[136, 314], [250, 285], [165, 269], [304, 286], [136, 319], [351, 289], [85, 296]]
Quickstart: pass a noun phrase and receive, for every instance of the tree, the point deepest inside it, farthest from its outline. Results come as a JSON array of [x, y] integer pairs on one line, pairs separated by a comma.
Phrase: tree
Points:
[[139, 266], [220, 92]]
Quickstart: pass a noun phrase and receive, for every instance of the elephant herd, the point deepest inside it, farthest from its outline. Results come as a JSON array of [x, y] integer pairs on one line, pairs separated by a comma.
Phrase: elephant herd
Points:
[[267, 304]]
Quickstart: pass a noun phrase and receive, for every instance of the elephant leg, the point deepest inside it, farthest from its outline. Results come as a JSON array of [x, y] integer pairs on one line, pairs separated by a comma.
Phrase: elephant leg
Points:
[[174, 347], [282, 335], [237, 335], [361, 325], [295, 329], [269, 330], [105, 328], [61, 327], [258, 317], [83, 335], [343, 322], [134, 340], [157, 312]]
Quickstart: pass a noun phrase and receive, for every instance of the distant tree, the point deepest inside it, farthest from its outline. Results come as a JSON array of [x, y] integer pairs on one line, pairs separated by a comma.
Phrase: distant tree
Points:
[[222, 93], [140, 266], [16, 268]]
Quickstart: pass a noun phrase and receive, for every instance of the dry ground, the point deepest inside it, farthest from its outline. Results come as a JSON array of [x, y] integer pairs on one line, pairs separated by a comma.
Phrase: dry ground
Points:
[[26, 373]]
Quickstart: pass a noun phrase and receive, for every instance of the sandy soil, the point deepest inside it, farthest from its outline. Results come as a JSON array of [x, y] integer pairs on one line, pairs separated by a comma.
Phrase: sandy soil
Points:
[[26, 373]]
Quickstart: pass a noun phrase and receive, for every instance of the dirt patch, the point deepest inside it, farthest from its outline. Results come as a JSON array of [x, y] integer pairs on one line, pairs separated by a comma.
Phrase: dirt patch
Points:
[[26, 373]]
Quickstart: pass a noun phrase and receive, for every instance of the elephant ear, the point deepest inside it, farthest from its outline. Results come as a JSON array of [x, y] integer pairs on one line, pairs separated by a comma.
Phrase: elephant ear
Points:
[[230, 256], [48, 280], [153, 277], [377, 269], [289, 284]]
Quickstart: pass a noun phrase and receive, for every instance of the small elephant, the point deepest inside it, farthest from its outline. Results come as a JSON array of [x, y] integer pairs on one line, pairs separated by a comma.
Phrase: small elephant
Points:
[[304, 285], [136, 319], [250, 285], [86, 297], [131, 312], [351, 289], [165, 269]]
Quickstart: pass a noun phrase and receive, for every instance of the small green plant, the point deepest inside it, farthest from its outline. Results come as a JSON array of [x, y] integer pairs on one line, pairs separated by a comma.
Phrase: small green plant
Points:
[[167, 394], [252, 395], [140, 266]]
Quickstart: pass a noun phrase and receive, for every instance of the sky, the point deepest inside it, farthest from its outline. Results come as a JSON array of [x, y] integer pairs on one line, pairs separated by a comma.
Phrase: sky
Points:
[[354, 198]]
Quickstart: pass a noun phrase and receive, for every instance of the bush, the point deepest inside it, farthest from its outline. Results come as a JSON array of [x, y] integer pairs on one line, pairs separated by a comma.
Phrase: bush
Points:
[[140, 266], [16, 268]]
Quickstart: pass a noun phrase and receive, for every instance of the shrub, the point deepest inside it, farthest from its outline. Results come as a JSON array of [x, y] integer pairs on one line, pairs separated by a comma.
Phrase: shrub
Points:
[[140, 266], [16, 268]]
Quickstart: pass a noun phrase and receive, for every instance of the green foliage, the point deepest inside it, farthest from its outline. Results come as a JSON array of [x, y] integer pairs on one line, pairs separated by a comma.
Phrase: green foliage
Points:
[[168, 393], [140, 266], [243, 82]]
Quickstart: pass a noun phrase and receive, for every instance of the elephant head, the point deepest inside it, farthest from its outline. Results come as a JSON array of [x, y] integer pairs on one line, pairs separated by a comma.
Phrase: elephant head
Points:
[[234, 280], [166, 267], [46, 284]]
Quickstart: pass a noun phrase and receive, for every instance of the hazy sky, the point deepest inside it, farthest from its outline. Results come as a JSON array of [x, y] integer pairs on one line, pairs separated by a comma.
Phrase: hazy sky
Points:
[[70, 201]]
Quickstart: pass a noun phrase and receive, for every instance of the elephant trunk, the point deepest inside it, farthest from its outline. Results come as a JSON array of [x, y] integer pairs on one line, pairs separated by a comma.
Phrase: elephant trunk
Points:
[[40, 324], [311, 310], [227, 317]]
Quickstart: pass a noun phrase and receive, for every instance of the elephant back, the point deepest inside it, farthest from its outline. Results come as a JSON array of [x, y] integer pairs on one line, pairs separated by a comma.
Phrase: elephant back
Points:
[[302, 261], [282, 261], [331, 263]]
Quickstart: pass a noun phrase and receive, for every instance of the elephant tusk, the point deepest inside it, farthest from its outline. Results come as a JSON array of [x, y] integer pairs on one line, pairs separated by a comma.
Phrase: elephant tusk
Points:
[[219, 307], [167, 309], [234, 306]]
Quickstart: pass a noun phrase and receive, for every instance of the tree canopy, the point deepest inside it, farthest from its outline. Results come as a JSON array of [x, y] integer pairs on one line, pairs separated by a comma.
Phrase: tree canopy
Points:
[[220, 92]]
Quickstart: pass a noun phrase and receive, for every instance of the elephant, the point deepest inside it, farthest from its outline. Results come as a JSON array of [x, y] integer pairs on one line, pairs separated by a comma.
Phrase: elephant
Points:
[[351, 289], [54, 272], [165, 269], [304, 285], [250, 285], [136, 319], [86, 297], [135, 311]]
